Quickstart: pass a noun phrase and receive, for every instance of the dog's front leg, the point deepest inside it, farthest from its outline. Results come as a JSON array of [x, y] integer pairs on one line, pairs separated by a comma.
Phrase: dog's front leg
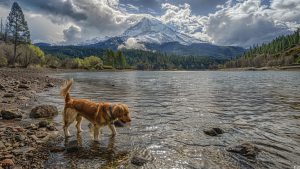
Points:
[[112, 129], [96, 132]]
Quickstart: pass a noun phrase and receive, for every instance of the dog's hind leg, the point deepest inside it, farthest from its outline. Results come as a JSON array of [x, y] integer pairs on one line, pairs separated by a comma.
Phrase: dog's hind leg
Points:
[[78, 123], [70, 116]]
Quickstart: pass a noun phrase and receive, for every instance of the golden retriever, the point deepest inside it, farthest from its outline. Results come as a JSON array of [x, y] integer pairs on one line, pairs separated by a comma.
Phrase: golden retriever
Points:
[[99, 114]]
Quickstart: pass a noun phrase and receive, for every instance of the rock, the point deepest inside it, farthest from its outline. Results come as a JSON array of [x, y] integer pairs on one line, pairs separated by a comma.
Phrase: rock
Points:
[[22, 98], [51, 127], [25, 86], [244, 149], [8, 149], [34, 137], [8, 144], [50, 85], [7, 163], [4, 101], [17, 152], [40, 142], [72, 146], [43, 123], [30, 154], [43, 111], [16, 145], [2, 146], [11, 114], [210, 132], [9, 156], [57, 149], [30, 126], [51, 135], [1, 86], [213, 131], [9, 95], [20, 138], [219, 131], [138, 161]]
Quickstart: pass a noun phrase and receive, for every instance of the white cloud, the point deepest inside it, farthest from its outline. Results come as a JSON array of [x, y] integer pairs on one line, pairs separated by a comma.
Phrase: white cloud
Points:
[[133, 7], [241, 24], [131, 43]]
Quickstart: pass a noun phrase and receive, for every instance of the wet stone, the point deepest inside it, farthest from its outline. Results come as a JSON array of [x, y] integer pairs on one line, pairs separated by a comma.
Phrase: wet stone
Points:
[[138, 161], [213, 131], [2, 146], [43, 123], [9, 156], [7, 163], [245, 149], [57, 149], [72, 146]]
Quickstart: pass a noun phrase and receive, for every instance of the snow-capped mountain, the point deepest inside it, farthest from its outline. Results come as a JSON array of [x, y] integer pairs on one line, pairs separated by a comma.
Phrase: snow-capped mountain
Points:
[[92, 41], [154, 31]]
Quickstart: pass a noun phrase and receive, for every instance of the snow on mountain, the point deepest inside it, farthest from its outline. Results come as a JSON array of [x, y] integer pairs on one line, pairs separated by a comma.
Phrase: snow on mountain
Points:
[[154, 31], [92, 41]]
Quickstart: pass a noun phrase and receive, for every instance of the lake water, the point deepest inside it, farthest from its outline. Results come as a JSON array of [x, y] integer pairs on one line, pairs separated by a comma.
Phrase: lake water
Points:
[[169, 110]]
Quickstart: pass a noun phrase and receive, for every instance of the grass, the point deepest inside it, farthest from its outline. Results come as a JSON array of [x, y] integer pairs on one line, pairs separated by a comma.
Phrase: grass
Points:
[[49, 122], [12, 112]]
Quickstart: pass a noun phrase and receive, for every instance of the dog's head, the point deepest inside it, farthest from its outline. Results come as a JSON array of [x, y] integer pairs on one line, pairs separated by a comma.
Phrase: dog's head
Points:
[[123, 113]]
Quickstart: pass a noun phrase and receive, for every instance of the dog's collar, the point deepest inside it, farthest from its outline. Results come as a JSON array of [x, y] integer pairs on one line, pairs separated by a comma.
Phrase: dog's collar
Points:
[[111, 116]]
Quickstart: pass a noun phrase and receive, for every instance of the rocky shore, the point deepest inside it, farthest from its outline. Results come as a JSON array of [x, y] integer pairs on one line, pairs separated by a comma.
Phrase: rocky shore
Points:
[[26, 143]]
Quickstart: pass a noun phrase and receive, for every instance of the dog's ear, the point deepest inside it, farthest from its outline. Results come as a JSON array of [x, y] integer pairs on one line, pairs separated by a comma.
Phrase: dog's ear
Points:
[[119, 110]]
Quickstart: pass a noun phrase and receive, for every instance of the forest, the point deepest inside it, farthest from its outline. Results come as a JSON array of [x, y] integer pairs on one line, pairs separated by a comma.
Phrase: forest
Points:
[[282, 51]]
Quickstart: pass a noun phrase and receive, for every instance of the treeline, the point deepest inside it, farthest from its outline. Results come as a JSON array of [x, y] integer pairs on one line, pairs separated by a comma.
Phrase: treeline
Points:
[[282, 51], [145, 60]]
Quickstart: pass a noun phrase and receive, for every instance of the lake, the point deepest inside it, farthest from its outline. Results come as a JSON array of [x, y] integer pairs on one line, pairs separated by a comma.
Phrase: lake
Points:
[[169, 110]]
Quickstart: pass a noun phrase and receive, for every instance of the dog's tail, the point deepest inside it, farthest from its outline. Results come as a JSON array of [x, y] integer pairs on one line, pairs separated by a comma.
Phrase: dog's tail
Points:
[[65, 91]]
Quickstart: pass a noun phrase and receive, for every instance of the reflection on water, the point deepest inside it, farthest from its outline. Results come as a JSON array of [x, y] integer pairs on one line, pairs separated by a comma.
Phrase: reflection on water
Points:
[[169, 110]]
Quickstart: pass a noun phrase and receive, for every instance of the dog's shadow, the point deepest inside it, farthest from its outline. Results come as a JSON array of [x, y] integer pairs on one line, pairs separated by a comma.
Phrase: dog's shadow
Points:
[[95, 150]]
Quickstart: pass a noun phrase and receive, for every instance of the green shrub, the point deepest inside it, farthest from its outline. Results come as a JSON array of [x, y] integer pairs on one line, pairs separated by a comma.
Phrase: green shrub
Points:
[[49, 122], [108, 67], [3, 61]]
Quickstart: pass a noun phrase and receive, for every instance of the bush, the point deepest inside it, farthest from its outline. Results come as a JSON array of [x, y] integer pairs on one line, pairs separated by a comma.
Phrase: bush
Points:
[[108, 67], [3, 61]]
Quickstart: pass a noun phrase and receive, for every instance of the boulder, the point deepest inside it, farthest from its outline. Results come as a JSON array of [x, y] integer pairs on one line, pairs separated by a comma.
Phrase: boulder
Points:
[[43, 111], [11, 114], [1, 86], [51, 127], [245, 149], [57, 149], [138, 161], [72, 146], [25, 86], [22, 98]]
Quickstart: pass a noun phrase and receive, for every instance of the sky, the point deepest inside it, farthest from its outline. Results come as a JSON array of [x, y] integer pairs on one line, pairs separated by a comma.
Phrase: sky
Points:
[[221, 22]]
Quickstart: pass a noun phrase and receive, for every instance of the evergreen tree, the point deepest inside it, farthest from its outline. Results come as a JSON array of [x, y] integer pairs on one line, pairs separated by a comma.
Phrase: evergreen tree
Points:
[[17, 28], [1, 26]]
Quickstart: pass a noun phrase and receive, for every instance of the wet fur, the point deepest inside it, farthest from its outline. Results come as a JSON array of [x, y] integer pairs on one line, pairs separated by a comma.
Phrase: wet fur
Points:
[[96, 113]]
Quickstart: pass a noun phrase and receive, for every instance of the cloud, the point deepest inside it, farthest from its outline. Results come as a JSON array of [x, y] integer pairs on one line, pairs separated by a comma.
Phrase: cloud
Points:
[[237, 24], [72, 34], [133, 7], [131, 43]]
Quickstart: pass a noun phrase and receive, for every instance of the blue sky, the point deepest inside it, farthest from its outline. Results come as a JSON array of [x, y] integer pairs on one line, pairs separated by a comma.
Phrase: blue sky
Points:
[[221, 22]]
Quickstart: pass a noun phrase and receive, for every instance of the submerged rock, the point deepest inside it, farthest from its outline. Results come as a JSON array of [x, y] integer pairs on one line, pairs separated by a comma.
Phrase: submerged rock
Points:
[[213, 131], [57, 149], [43, 111], [245, 149], [138, 161], [23, 86], [72, 146]]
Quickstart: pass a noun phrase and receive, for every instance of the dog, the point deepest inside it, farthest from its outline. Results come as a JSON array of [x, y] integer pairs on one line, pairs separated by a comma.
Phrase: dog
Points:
[[98, 114]]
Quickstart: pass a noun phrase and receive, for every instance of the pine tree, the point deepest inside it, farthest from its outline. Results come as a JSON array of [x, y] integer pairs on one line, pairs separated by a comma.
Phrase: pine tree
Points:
[[17, 28], [1, 26]]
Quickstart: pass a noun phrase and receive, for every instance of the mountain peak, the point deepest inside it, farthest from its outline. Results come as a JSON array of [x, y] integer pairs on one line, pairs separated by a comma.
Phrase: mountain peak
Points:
[[154, 31]]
